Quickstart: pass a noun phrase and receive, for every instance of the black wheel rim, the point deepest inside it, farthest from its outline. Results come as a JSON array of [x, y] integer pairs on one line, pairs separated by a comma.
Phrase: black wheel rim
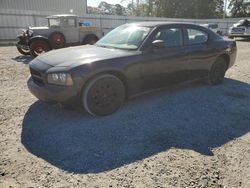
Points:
[[105, 96]]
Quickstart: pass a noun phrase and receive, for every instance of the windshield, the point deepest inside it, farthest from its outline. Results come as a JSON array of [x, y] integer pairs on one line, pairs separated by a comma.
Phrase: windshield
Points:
[[54, 22], [127, 37]]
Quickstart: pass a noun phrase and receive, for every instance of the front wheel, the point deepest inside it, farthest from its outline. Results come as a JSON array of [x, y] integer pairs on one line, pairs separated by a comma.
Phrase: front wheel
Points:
[[103, 95], [217, 72], [38, 47], [23, 51]]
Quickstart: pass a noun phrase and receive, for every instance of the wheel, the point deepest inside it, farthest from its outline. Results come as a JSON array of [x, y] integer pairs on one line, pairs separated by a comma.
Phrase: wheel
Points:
[[217, 72], [23, 51], [103, 95], [57, 40], [38, 47], [91, 39]]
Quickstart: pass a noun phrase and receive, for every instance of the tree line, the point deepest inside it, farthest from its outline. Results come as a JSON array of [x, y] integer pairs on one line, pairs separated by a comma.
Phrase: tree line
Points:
[[195, 9], [189, 8]]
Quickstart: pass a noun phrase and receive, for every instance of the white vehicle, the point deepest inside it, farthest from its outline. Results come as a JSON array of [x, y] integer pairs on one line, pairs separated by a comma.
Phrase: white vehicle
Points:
[[63, 30], [240, 29]]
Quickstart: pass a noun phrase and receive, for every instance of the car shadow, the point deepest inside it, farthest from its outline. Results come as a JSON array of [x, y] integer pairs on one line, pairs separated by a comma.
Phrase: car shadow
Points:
[[195, 117], [25, 59]]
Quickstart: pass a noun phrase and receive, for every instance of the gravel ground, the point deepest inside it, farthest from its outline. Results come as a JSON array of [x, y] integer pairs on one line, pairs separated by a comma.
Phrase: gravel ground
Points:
[[191, 135]]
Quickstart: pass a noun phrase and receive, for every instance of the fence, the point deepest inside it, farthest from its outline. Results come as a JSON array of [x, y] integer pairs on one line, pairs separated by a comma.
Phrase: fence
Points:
[[12, 21]]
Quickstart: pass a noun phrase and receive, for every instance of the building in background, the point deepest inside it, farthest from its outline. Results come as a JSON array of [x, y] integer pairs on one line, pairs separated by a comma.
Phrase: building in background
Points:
[[43, 6], [18, 14]]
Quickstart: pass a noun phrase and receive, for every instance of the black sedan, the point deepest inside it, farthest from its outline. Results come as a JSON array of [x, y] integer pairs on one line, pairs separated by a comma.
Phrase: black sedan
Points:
[[130, 59]]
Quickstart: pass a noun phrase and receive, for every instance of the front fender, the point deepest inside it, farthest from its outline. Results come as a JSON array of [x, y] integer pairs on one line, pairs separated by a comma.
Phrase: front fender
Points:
[[38, 37], [21, 40]]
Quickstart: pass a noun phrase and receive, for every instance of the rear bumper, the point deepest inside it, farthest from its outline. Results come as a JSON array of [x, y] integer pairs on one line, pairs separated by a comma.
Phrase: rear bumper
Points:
[[53, 93]]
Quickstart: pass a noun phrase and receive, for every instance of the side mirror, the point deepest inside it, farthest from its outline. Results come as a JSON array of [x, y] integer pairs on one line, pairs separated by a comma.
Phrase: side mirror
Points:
[[158, 44]]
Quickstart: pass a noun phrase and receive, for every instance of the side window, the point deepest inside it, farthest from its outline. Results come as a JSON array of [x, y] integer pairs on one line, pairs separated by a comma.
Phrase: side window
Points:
[[196, 36], [69, 22], [171, 36]]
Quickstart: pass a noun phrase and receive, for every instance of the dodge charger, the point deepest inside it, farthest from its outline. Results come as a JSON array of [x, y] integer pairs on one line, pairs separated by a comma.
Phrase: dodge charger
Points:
[[129, 60]]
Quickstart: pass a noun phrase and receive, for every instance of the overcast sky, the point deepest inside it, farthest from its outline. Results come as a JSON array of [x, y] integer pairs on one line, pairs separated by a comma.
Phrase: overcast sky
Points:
[[95, 3]]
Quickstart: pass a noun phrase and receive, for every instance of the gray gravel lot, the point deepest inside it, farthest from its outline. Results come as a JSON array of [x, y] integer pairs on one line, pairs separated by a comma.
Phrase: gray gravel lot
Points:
[[191, 135]]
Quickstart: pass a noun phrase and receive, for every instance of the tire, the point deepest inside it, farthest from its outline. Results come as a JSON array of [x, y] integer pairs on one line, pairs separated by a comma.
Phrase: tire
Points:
[[103, 95], [91, 39], [57, 40], [217, 72], [38, 47], [23, 52]]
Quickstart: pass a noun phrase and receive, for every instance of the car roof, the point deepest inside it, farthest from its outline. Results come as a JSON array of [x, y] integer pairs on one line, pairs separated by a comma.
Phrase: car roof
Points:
[[155, 24], [62, 16]]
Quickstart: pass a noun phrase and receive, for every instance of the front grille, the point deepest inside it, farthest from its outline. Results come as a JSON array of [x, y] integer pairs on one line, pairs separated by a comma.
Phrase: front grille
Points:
[[36, 76]]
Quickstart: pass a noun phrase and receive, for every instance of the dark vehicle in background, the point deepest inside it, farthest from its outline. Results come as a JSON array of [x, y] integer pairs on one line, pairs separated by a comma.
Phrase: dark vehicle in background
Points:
[[130, 59], [62, 30], [240, 29]]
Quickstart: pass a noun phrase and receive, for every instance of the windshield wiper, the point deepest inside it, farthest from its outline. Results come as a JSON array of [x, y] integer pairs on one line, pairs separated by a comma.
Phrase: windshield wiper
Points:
[[104, 46]]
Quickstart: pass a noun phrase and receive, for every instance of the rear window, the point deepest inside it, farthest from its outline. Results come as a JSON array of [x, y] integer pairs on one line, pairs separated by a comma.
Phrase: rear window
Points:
[[171, 36], [196, 36]]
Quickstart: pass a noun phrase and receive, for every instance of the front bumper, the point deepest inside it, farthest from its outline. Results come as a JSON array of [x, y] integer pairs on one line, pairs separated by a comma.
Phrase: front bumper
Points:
[[52, 93]]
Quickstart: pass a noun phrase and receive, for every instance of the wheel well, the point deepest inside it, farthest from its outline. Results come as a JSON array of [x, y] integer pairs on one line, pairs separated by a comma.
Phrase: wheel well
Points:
[[226, 58], [114, 73], [89, 35]]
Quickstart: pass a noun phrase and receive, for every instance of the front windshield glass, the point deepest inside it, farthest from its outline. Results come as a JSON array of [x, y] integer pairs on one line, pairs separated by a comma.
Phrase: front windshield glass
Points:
[[54, 22], [128, 37]]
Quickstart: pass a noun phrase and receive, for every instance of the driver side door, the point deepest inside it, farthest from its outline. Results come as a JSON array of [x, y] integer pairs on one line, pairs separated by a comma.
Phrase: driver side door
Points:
[[166, 65]]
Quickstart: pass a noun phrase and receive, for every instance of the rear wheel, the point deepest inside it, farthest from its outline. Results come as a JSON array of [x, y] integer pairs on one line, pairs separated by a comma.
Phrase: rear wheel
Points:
[[23, 51], [38, 47], [57, 40], [217, 72], [103, 95]]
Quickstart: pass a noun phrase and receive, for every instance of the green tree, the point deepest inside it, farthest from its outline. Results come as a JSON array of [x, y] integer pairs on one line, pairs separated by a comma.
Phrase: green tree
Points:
[[177, 8], [118, 9], [239, 8]]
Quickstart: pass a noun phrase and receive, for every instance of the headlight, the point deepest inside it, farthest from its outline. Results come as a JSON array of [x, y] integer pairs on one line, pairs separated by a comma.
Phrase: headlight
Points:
[[64, 79], [29, 33], [24, 34]]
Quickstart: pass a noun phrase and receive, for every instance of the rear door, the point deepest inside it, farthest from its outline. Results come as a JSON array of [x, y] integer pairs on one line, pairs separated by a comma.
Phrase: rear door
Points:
[[166, 65], [200, 51]]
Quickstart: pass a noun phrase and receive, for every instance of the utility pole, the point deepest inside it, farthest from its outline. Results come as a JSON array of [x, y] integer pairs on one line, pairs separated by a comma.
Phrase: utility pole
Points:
[[225, 9], [86, 8]]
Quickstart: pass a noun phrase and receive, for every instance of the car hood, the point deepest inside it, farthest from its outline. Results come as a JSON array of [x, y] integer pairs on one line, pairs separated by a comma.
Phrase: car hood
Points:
[[81, 55]]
